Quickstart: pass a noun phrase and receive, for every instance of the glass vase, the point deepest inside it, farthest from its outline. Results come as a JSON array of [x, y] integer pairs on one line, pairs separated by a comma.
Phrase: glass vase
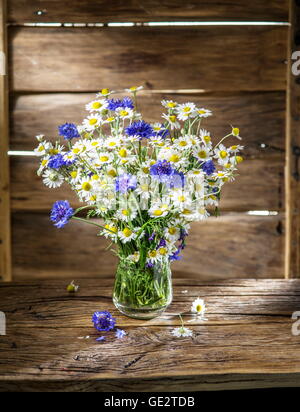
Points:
[[143, 293]]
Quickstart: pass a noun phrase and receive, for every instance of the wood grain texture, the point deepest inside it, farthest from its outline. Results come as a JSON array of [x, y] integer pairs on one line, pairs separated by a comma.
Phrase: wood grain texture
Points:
[[231, 246], [21, 11], [292, 172], [259, 186], [5, 238], [260, 116], [85, 59], [245, 343]]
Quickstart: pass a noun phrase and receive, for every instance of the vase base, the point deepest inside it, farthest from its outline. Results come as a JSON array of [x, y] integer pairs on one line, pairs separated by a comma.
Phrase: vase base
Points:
[[139, 313]]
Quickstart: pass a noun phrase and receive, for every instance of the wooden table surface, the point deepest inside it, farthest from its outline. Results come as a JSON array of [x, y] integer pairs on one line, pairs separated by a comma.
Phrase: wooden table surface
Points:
[[246, 342]]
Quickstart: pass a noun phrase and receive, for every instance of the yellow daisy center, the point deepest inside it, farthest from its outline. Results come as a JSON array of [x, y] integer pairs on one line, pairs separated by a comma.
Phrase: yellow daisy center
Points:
[[239, 159], [124, 113], [127, 232], [86, 186], [171, 105], [153, 253], [73, 174], [202, 154], [92, 122], [206, 139], [172, 230], [158, 212], [125, 212], [223, 154], [104, 158], [123, 152], [174, 158], [104, 91], [96, 105], [172, 119], [163, 251], [235, 131], [112, 173]]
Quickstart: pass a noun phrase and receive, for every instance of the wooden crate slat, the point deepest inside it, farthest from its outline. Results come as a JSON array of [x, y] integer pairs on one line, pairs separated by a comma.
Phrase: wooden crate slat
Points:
[[5, 248], [259, 186], [146, 10], [231, 246], [210, 58], [292, 175], [260, 116]]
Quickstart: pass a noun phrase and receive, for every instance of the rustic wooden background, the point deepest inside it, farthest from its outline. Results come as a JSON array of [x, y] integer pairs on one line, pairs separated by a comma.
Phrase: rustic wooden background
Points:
[[238, 71]]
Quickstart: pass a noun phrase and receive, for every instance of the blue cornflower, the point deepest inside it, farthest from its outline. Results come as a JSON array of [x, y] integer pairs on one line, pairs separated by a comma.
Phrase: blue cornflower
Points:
[[120, 333], [176, 255], [56, 161], [103, 321], [68, 131], [162, 243], [114, 104], [162, 170], [140, 129], [177, 180], [208, 167], [101, 339], [152, 237], [125, 182], [61, 213]]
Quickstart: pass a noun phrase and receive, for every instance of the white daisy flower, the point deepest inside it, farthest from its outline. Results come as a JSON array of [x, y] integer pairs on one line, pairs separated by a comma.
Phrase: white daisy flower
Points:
[[185, 110], [159, 209], [69, 157], [124, 113], [203, 112], [205, 137], [152, 256], [104, 93], [172, 121], [97, 105], [104, 158], [202, 153], [43, 148], [126, 235], [126, 214], [52, 179], [198, 307], [112, 142], [172, 233], [110, 231], [222, 154], [43, 165], [134, 89], [79, 147], [143, 190], [183, 142], [92, 122], [135, 257], [169, 104], [235, 148], [182, 332], [40, 137]]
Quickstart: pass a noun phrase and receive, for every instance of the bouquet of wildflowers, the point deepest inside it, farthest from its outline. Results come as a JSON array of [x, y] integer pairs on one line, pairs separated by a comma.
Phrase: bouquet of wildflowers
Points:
[[145, 183]]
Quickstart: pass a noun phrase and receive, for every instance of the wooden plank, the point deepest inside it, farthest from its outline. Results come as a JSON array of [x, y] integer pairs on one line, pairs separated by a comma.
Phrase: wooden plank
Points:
[[259, 186], [260, 116], [230, 246], [258, 351], [21, 11], [87, 59], [292, 172], [5, 251]]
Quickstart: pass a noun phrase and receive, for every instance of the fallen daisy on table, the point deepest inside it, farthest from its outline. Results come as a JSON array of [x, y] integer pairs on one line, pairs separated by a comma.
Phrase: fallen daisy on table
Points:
[[182, 331], [198, 308]]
